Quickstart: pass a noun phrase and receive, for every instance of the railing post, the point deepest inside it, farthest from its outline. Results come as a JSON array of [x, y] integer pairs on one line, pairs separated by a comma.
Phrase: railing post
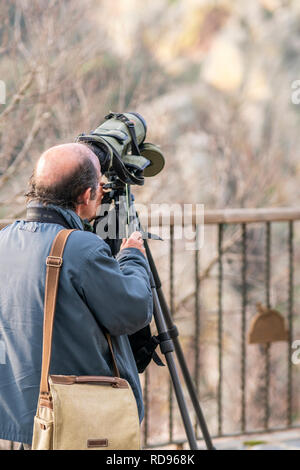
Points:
[[197, 316], [267, 346], [290, 323], [243, 327], [220, 327], [171, 276]]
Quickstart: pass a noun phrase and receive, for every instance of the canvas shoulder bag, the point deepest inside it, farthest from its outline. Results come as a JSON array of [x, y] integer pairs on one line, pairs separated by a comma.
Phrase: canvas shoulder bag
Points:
[[80, 412]]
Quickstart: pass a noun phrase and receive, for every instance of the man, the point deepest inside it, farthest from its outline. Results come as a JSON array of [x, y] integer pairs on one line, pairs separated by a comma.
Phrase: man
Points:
[[97, 293]]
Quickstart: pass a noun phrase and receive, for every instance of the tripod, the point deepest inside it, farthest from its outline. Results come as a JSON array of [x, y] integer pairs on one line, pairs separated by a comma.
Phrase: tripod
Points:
[[167, 331]]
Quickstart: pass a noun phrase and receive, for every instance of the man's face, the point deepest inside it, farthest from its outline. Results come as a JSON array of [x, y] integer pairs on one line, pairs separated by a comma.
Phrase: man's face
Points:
[[95, 203], [87, 209]]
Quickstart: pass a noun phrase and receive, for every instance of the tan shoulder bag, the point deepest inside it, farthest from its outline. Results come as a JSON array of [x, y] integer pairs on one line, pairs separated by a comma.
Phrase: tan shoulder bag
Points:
[[80, 412]]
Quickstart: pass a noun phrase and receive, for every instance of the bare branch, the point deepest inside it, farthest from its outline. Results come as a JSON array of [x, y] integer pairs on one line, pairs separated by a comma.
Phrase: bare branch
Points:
[[37, 124], [19, 96]]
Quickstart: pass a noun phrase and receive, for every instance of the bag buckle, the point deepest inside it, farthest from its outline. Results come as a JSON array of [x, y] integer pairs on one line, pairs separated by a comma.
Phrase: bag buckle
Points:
[[54, 261]]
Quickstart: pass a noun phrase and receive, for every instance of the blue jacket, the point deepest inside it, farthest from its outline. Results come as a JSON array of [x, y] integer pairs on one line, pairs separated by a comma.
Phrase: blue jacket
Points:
[[95, 292]]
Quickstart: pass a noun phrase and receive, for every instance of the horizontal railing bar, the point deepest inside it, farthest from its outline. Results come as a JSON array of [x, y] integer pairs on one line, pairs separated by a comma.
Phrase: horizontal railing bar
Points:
[[214, 216], [235, 216], [184, 216]]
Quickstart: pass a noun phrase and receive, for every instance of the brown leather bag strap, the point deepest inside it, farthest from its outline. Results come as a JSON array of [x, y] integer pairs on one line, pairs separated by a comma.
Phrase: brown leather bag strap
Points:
[[54, 262]]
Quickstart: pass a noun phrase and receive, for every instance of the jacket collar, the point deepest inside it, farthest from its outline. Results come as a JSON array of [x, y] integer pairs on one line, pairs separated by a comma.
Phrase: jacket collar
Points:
[[73, 220]]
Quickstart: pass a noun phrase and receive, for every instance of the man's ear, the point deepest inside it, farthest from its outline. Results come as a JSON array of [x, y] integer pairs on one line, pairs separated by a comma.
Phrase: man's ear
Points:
[[85, 197]]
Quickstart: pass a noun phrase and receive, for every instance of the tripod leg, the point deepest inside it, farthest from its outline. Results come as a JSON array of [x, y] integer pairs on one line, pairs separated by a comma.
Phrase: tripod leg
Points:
[[167, 349], [181, 360], [164, 322]]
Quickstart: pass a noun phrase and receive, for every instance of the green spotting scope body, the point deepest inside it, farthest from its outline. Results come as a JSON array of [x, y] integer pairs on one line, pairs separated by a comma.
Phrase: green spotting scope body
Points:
[[121, 139]]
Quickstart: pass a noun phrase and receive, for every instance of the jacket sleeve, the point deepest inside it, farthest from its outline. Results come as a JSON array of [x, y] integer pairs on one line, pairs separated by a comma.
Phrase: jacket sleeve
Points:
[[118, 292]]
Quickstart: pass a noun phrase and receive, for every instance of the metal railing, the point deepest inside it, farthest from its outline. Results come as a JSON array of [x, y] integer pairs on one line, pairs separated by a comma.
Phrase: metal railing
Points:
[[254, 384], [246, 222]]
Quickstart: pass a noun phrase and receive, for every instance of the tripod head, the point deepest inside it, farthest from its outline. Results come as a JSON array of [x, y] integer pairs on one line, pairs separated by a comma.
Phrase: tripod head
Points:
[[122, 216], [118, 217]]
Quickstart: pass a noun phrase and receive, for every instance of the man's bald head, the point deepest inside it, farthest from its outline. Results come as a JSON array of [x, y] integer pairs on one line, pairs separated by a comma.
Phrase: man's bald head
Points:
[[61, 161], [63, 173]]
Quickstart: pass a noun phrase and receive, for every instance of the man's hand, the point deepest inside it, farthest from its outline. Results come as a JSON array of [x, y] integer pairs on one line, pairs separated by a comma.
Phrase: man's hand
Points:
[[134, 241]]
